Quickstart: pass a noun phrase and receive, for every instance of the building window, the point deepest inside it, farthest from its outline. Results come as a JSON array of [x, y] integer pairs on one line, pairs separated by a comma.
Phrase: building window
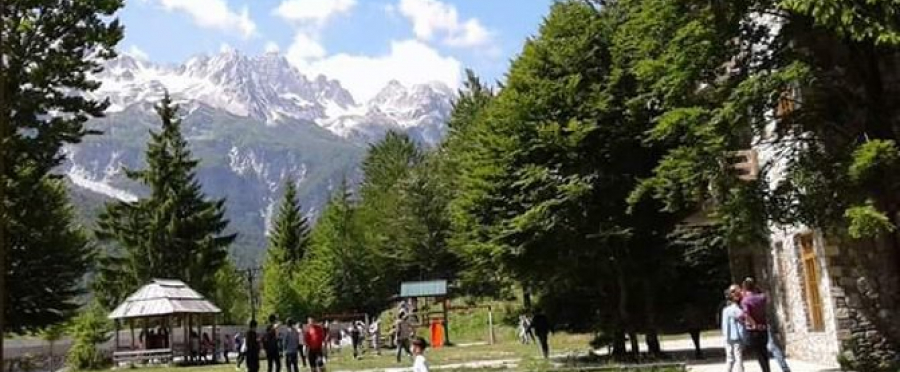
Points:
[[811, 283], [787, 102]]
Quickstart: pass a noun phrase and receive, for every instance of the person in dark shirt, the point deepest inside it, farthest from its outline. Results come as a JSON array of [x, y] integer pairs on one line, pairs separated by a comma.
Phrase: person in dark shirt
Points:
[[270, 342], [251, 355], [754, 305], [541, 327]]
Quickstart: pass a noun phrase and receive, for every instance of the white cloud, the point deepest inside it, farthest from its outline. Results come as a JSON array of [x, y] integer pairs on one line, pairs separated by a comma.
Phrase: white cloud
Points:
[[214, 14], [136, 52], [317, 11], [433, 17], [304, 48], [272, 47], [409, 62]]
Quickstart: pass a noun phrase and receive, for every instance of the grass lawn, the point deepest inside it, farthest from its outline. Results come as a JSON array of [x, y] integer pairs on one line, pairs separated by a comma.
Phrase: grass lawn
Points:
[[508, 349]]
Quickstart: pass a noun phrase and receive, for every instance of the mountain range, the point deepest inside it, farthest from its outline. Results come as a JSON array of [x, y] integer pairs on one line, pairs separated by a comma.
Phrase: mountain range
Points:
[[255, 122]]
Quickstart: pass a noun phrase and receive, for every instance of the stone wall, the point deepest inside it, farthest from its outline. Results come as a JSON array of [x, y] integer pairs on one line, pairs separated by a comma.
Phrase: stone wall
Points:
[[867, 296], [859, 286], [800, 339], [781, 271]]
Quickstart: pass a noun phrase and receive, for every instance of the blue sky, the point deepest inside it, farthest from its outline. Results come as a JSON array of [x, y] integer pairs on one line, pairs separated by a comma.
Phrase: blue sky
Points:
[[363, 43]]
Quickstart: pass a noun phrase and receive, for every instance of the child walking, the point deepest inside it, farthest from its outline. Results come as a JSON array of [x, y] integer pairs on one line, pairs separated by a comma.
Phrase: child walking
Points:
[[733, 329], [418, 349]]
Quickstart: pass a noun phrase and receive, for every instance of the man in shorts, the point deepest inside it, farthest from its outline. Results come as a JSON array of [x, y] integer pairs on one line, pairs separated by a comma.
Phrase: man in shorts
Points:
[[314, 336]]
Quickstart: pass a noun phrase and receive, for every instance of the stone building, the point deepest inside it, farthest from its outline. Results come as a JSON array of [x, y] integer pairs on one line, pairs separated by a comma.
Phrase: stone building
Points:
[[827, 294]]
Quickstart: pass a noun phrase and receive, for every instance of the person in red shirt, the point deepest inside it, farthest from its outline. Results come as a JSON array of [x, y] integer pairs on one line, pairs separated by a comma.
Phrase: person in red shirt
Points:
[[314, 337]]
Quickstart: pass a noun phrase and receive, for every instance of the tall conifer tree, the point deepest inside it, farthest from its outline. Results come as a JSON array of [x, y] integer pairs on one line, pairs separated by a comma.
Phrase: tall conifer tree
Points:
[[46, 49], [176, 232], [288, 243]]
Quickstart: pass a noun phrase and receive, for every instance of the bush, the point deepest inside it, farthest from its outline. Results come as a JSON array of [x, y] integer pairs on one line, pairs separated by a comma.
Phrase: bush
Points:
[[89, 329]]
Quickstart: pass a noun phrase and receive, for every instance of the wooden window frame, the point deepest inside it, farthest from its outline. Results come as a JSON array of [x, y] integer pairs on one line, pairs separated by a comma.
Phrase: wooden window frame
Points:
[[809, 261]]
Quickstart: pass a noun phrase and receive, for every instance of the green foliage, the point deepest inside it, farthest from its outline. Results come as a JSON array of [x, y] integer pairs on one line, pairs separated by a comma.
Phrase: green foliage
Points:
[[873, 159], [176, 232], [337, 274], [424, 234], [289, 242], [863, 21], [48, 48], [704, 112], [48, 257], [230, 295], [867, 221], [89, 330], [291, 230]]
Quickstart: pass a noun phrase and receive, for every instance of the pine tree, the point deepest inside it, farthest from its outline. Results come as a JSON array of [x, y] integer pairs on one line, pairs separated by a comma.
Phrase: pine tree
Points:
[[49, 255], [175, 232], [47, 47], [381, 211], [289, 240], [290, 232], [339, 273]]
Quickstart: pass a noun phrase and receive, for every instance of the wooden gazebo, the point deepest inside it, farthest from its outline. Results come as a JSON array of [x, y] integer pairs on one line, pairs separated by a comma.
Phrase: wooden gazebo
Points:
[[166, 303]]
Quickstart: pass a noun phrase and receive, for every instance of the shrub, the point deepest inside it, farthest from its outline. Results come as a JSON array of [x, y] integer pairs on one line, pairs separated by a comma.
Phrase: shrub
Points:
[[89, 329]]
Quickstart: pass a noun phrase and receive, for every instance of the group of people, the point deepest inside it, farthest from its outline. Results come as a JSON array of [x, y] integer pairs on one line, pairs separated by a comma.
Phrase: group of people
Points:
[[537, 327], [308, 344], [294, 342], [203, 349], [746, 327], [157, 338]]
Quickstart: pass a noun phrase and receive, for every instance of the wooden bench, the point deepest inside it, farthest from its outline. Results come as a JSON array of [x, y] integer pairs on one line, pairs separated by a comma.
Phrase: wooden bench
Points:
[[147, 356]]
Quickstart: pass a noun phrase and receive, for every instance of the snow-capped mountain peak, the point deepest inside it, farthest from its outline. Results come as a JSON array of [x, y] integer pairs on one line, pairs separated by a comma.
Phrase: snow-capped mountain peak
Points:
[[268, 88]]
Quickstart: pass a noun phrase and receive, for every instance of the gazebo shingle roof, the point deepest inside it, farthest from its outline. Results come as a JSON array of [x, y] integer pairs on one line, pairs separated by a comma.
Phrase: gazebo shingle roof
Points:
[[163, 297]]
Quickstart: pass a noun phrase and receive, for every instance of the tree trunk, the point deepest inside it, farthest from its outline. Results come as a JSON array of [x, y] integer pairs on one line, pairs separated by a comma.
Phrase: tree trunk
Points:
[[526, 297], [652, 336], [4, 134], [635, 345], [618, 351], [653, 346], [624, 315]]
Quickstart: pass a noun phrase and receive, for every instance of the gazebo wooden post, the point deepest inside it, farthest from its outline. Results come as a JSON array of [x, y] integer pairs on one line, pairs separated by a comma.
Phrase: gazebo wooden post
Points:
[[446, 305], [116, 348], [186, 327], [200, 336], [165, 327], [131, 326], [215, 340]]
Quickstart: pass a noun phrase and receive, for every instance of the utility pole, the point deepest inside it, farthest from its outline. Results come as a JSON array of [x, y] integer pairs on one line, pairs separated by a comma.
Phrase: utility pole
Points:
[[250, 272], [250, 293]]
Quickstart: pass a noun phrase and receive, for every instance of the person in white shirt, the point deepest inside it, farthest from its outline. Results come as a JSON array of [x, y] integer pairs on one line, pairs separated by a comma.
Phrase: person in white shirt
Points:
[[418, 349], [733, 330], [375, 333]]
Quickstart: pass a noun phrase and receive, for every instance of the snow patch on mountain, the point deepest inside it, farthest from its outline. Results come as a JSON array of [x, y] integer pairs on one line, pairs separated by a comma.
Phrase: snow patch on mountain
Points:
[[82, 178]]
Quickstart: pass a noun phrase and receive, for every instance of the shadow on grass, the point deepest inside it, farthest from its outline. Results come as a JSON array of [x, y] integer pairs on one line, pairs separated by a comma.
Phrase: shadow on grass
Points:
[[668, 358]]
